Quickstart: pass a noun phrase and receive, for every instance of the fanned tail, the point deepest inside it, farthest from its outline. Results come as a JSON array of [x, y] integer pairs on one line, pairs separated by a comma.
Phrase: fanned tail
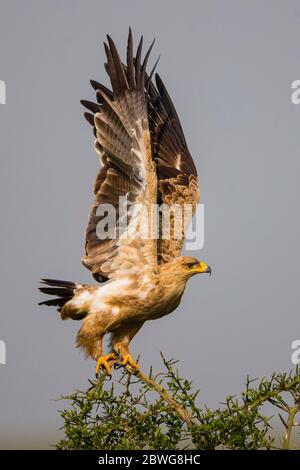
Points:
[[64, 290]]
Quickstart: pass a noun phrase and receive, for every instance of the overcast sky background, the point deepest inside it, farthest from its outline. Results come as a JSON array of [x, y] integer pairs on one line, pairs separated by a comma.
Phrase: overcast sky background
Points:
[[228, 67]]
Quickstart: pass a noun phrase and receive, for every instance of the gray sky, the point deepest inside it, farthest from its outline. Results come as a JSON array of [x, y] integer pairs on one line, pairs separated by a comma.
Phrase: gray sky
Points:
[[228, 67]]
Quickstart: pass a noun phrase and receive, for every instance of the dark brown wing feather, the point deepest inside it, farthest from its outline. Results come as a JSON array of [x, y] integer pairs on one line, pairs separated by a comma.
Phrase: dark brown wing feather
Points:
[[176, 170]]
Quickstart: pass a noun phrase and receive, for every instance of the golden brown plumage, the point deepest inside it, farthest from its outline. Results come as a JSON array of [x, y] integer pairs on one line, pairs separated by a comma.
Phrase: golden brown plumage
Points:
[[144, 159]]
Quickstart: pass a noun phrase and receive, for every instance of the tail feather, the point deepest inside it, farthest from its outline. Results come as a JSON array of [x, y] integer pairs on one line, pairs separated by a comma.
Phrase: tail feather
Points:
[[64, 290], [57, 282], [54, 303]]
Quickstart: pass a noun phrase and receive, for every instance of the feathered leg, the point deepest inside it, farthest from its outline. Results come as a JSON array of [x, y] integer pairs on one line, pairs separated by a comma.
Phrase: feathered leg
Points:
[[90, 338], [120, 340]]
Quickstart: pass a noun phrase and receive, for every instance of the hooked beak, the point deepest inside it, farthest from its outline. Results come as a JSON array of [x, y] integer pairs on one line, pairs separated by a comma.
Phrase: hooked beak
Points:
[[208, 270], [203, 268]]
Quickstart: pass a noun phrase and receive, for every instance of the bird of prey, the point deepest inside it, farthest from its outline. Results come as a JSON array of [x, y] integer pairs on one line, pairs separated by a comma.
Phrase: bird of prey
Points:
[[145, 158]]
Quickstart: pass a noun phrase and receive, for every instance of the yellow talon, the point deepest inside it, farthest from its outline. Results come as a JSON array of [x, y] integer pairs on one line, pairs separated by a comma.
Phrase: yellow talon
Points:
[[127, 359], [102, 362]]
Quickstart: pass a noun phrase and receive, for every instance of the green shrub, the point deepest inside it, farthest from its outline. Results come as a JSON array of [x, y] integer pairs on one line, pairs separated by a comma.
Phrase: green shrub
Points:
[[162, 412]]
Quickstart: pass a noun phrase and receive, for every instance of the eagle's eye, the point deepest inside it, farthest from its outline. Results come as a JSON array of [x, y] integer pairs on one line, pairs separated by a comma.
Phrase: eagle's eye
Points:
[[190, 265]]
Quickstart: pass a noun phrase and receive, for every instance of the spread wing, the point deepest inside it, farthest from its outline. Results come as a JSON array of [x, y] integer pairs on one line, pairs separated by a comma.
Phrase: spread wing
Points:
[[121, 128], [178, 185]]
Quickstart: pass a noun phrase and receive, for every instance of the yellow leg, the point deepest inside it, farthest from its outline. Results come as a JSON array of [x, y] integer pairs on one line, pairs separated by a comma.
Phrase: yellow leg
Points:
[[127, 359], [102, 361]]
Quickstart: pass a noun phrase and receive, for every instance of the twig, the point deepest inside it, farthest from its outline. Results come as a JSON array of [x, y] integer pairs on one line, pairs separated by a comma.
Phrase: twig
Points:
[[167, 397], [180, 410], [289, 425]]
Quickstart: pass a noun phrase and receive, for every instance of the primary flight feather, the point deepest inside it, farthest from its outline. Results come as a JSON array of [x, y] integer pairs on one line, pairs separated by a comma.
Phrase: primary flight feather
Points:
[[145, 161]]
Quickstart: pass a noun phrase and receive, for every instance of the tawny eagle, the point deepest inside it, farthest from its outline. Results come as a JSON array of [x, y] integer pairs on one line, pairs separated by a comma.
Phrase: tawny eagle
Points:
[[144, 158]]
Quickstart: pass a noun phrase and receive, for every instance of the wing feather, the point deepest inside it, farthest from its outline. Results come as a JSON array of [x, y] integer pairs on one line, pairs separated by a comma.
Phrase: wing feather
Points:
[[122, 132], [176, 171], [145, 158]]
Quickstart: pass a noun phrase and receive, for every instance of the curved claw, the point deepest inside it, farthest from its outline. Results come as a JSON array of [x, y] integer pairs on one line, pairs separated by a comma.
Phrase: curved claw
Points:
[[127, 359], [102, 362]]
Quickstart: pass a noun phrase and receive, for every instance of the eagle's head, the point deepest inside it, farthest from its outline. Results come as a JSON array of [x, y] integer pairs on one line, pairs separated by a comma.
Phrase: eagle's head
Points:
[[191, 266], [185, 267]]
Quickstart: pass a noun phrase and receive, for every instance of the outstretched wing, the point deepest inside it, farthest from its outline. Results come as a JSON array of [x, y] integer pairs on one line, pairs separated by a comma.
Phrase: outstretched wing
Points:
[[121, 128], [178, 184]]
